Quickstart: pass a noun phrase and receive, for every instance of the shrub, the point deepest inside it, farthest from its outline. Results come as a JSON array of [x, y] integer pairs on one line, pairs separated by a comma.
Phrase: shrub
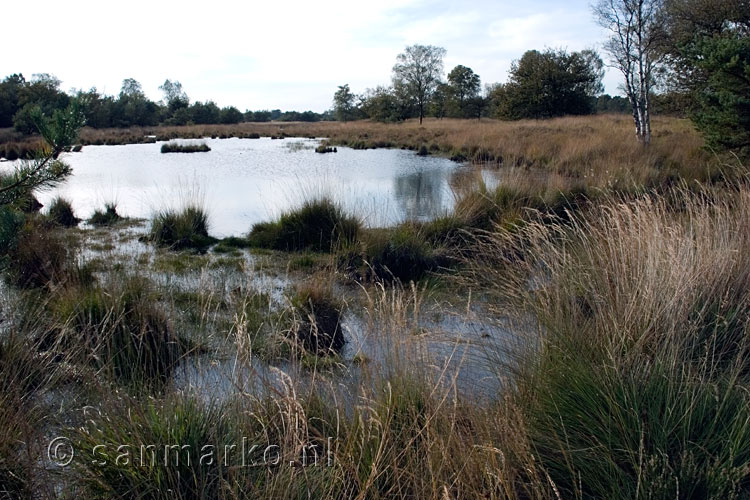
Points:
[[107, 217], [318, 225], [179, 230], [61, 212]]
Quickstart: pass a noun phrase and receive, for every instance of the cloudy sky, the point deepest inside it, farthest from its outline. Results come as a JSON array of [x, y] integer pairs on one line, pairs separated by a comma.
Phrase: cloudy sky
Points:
[[278, 54]]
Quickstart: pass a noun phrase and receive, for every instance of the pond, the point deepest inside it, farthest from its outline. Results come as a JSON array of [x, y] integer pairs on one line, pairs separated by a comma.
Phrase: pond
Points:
[[244, 181]]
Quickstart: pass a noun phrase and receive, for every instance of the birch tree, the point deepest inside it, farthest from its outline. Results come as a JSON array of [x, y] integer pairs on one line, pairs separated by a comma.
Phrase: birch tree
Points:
[[633, 48]]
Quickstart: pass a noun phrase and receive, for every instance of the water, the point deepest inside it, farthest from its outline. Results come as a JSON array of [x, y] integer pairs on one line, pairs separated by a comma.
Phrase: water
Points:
[[244, 181]]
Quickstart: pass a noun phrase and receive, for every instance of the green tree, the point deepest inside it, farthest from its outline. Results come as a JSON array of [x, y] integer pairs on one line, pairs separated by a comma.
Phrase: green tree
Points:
[[10, 88], [42, 92], [463, 87], [417, 72], [59, 132], [133, 107], [231, 115], [381, 104], [439, 102], [707, 47], [174, 97], [550, 83], [344, 108]]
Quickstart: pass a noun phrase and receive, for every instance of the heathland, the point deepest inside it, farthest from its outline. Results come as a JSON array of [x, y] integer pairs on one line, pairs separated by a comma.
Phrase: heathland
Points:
[[580, 330]]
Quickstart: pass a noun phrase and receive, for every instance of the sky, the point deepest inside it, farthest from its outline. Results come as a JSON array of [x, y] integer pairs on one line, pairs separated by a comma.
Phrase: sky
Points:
[[288, 55]]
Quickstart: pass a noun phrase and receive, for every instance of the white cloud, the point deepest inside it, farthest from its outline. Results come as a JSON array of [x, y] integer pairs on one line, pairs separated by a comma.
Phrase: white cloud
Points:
[[288, 55]]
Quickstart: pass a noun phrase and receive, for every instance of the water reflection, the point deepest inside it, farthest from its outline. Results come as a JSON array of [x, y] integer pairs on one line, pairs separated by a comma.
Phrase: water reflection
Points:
[[244, 181], [421, 195]]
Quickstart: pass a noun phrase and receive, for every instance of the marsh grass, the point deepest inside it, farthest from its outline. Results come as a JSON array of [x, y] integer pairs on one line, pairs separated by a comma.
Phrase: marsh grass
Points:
[[175, 147], [25, 373], [120, 331], [37, 256], [318, 225], [637, 385], [105, 217], [61, 212], [181, 229], [318, 329]]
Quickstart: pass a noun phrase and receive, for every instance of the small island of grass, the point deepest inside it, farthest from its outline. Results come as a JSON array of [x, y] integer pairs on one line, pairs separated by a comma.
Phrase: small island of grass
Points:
[[174, 147]]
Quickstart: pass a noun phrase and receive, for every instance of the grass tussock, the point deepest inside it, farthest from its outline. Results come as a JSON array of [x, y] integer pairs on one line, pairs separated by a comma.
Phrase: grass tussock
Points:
[[119, 330], [318, 329], [61, 213], [36, 255], [319, 225], [105, 217], [175, 147], [637, 386], [177, 230]]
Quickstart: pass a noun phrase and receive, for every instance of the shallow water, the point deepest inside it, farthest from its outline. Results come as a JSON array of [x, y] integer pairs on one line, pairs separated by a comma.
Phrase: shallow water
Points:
[[244, 181]]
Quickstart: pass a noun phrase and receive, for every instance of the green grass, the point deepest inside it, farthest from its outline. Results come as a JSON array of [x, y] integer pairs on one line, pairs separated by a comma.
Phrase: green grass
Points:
[[61, 212], [318, 225], [172, 147], [186, 229], [105, 217], [121, 330]]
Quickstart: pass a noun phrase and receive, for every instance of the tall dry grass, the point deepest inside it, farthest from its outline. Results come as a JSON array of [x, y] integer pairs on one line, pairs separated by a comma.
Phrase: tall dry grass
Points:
[[637, 384]]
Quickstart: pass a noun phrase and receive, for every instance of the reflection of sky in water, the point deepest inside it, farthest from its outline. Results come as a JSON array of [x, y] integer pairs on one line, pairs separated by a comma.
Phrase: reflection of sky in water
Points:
[[244, 181]]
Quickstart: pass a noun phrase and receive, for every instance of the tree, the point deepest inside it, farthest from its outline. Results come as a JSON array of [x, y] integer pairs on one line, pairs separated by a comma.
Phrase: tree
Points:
[[418, 70], [381, 104], [343, 104], [231, 115], [439, 102], [174, 97], [42, 92], [707, 49], [463, 87], [10, 88], [550, 83], [633, 48], [133, 107], [59, 132]]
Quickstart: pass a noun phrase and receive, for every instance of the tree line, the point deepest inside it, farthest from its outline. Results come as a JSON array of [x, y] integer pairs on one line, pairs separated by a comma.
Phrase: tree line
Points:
[[689, 57], [20, 98], [541, 84]]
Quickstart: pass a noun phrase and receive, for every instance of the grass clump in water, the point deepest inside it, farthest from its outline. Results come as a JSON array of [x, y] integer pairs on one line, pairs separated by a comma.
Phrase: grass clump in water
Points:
[[174, 147], [105, 217], [318, 225], [180, 230], [120, 331], [61, 213], [319, 327]]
